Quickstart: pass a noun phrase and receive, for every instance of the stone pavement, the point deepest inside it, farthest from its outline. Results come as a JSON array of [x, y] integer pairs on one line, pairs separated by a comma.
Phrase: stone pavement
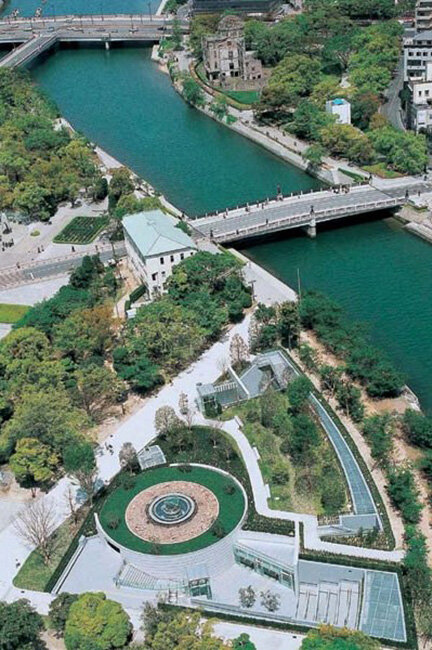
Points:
[[26, 247]]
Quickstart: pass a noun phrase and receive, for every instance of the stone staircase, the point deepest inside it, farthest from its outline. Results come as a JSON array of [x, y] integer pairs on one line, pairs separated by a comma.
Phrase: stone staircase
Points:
[[131, 576]]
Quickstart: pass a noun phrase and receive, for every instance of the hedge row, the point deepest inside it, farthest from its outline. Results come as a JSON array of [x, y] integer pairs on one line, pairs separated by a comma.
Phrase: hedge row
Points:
[[239, 618]]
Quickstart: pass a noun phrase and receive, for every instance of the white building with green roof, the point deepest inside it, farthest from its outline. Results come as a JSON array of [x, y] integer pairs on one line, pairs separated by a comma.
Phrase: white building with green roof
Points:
[[154, 245]]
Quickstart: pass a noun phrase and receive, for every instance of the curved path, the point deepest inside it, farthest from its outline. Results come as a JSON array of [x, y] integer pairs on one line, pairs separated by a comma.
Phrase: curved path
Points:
[[260, 491]]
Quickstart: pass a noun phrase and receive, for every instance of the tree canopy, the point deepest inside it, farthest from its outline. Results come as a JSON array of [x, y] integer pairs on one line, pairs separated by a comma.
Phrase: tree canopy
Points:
[[20, 627], [97, 623], [41, 163]]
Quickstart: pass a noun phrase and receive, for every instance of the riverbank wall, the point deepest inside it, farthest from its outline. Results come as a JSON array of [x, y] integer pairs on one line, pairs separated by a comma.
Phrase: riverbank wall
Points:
[[324, 173], [251, 133], [417, 222]]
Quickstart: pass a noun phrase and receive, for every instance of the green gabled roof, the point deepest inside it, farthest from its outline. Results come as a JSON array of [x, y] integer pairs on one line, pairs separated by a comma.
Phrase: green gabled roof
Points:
[[155, 233]]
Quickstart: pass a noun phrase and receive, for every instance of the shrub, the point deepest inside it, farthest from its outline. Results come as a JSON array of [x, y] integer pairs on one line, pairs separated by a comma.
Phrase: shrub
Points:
[[113, 521], [127, 481], [235, 312], [280, 473], [403, 493], [218, 530], [418, 428], [137, 293], [332, 493]]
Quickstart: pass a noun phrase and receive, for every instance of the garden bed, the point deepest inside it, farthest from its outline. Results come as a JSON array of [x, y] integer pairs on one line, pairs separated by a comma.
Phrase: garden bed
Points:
[[81, 230], [298, 493]]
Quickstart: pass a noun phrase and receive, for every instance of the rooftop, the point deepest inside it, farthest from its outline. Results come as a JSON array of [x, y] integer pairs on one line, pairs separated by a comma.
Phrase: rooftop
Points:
[[155, 233]]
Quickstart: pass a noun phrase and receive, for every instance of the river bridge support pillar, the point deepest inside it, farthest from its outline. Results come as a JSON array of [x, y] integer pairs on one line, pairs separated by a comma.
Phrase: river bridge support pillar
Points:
[[107, 45], [311, 229]]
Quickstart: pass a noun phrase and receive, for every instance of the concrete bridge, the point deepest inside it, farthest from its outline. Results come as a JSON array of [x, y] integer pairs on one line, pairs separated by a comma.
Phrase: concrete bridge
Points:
[[36, 35], [300, 210]]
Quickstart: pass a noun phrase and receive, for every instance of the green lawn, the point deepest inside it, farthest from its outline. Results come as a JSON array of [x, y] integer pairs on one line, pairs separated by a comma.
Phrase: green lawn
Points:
[[81, 230], [381, 170], [243, 96], [12, 313], [231, 507]]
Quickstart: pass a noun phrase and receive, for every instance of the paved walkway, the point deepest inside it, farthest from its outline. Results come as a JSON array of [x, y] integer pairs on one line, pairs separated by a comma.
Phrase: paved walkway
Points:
[[4, 329], [310, 522], [26, 247], [30, 294]]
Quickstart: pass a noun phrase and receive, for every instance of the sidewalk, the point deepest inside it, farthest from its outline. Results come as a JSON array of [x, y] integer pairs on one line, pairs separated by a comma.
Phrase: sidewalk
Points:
[[26, 246]]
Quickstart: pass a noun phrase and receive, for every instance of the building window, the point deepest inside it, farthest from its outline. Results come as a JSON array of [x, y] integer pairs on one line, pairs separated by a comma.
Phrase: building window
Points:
[[172, 258], [162, 260], [182, 256], [154, 277], [163, 275]]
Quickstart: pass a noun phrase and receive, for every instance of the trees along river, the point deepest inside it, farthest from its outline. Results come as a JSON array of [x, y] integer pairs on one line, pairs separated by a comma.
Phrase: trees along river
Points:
[[381, 274]]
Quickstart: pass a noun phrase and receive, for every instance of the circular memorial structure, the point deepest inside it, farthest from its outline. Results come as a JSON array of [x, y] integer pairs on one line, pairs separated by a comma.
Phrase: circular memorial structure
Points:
[[172, 512], [171, 518]]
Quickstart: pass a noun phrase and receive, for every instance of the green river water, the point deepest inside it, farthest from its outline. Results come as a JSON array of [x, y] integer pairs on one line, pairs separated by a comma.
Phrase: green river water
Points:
[[381, 274]]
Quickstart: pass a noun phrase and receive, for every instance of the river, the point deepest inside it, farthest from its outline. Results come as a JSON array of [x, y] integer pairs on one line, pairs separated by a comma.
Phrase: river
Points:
[[121, 100], [381, 274], [63, 7]]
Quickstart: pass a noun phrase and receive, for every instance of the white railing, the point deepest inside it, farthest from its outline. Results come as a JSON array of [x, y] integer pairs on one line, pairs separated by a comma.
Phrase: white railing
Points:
[[303, 218]]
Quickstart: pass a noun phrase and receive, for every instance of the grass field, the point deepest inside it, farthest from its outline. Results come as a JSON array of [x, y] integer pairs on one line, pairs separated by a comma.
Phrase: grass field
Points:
[[81, 230], [243, 96], [231, 507], [381, 170], [12, 313]]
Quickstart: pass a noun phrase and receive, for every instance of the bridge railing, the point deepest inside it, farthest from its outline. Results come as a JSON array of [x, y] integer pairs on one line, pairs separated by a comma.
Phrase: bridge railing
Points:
[[81, 17], [303, 218]]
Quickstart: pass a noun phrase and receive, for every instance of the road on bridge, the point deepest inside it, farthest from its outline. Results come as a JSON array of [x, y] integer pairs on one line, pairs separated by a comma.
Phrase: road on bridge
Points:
[[293, 211]]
